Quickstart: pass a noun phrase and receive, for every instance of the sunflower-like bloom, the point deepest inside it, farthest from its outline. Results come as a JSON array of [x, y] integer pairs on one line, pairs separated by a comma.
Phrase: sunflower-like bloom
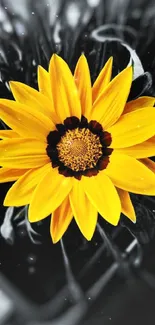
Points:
[[75, 149]]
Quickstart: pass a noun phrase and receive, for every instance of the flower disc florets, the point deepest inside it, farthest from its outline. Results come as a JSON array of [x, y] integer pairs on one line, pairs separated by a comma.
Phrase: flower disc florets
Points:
[[79, 148]]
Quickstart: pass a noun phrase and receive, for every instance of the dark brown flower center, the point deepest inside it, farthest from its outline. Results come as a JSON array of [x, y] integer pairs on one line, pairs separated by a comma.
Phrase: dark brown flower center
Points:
[[79, 148]]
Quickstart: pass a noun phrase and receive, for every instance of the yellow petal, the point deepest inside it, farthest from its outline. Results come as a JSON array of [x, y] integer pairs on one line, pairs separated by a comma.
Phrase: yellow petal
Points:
[[138, 103], [103, 79], [10, 175], [133, 128], [127, 206], [8, 134], [148, 163], [103, 195], [84, 212], [21, 191], [26, 123], [44, 83], [32, 98], [60, 220], [83, 83], [48, 195], [109, 106], [130, 175], [22, 153], [141, 150], [65, 94]]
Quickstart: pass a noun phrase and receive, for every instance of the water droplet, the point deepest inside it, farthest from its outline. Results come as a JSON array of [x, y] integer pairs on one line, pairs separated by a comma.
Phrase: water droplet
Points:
[[31, 270], [31, 259], [93, 3], [32, 13]]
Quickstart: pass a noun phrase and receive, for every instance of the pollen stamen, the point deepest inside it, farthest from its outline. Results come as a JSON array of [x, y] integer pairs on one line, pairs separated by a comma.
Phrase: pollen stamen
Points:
[[79, 149]]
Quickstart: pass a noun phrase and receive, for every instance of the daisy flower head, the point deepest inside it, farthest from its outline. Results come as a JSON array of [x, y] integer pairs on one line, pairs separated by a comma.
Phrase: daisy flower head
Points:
[[75, 149]]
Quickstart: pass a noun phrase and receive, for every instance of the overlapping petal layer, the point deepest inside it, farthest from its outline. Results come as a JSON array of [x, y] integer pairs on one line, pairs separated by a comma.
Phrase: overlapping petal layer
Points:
[[44, 84], [103, 195], [83, 82], [49, 194], [141, 150], [10, 175], [102, 80], [109, 105], [8, 134], [32, 98], [21, 191], [126, 204], [24, 120], [138, 103], [65, 94], [60, 220], [84, 212], [23, 153], [130, 175], [133, 128], [149, 163]]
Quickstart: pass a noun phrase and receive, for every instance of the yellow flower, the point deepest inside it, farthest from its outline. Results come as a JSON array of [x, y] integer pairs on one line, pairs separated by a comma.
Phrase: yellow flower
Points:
[[77, 150]]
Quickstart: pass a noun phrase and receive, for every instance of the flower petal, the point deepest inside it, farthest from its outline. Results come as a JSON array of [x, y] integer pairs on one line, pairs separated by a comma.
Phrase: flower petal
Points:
[[84, 212], [10, 175], [21, 191], [44, 83], [141, 150], [32, 98], [64, 91], [83, 83], [148, 163], [49, 195], [130, 175], [138, 103], [103, 195], [60, 220], [133, 128], [109, 106], [8, 134], [103, 79], [23, 153], [26, 123], [127, 206]]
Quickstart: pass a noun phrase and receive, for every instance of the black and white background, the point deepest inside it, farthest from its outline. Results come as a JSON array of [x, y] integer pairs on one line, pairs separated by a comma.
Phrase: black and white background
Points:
[[110, 280]]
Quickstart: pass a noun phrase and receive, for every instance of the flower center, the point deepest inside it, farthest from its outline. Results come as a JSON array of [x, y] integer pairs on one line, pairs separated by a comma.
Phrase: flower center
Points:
[[79, 149]]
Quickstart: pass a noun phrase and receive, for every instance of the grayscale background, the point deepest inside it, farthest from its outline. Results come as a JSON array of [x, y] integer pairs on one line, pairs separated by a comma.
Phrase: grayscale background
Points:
[[110, 280]]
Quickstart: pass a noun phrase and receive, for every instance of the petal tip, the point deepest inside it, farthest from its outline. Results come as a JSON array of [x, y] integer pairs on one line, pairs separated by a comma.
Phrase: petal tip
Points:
[[11, 83], [83, 55], [88, 236], [39, 68], [55, 240], [134, 220], [30, 216], [111, 59]]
